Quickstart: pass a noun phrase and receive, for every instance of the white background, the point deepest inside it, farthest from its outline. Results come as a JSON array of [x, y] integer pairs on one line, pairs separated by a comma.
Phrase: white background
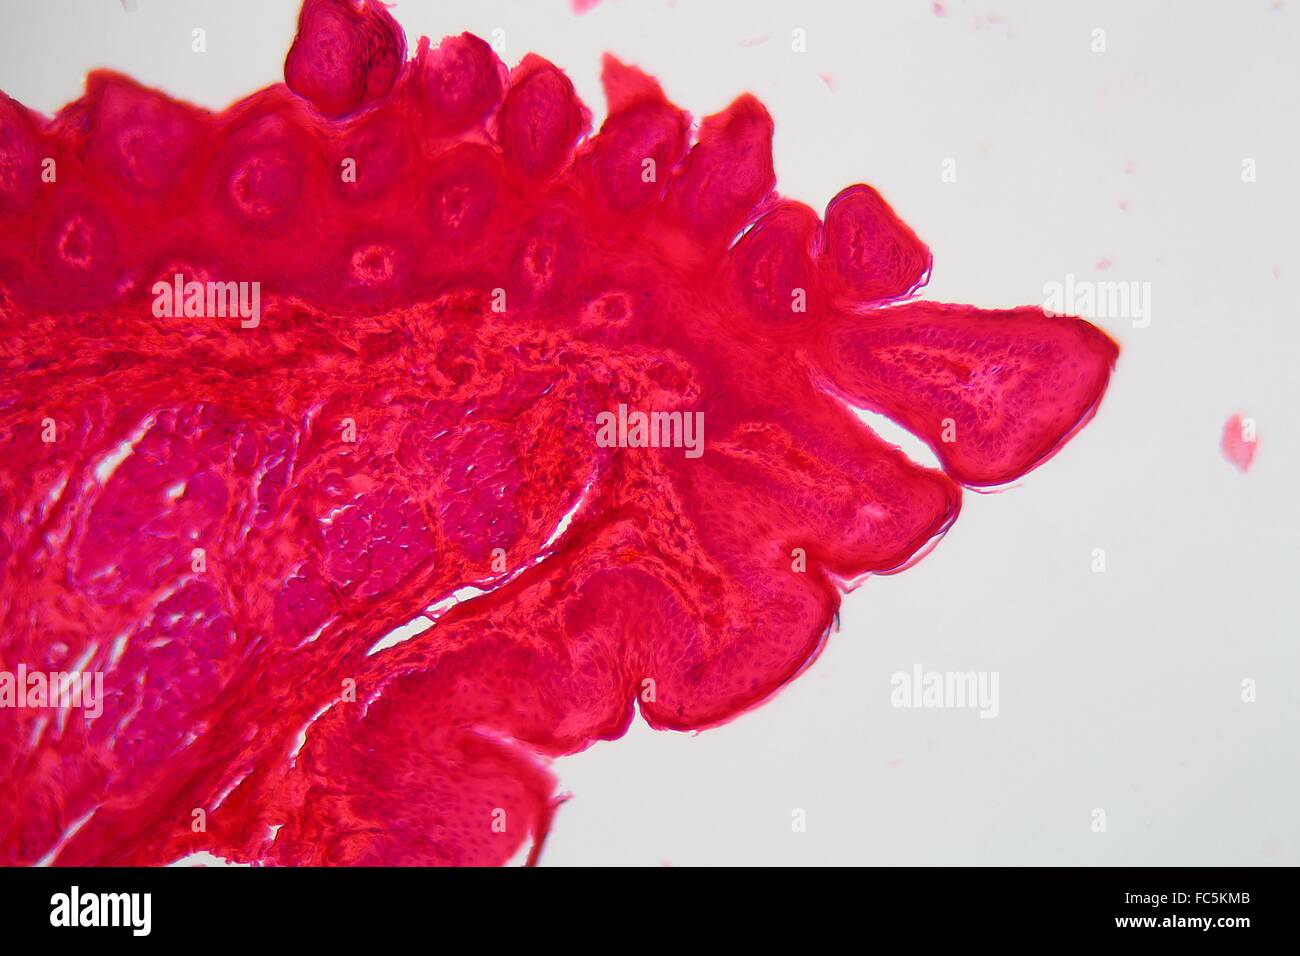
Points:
[[1119, 691]]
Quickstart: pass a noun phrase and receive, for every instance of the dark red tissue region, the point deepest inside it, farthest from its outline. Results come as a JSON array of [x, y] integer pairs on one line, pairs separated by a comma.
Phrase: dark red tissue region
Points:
[[346, 54], [402, 342]]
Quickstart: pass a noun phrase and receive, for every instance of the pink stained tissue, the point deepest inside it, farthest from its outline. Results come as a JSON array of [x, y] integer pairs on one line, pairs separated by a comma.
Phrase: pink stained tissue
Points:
[[402, 341], [1239, 442]]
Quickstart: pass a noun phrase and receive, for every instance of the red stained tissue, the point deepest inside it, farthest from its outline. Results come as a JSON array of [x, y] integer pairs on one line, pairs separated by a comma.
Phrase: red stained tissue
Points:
[[401, 340]]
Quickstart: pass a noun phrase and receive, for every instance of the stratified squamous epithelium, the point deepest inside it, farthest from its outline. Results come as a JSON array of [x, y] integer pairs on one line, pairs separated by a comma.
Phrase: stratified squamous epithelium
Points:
[[278, 379]]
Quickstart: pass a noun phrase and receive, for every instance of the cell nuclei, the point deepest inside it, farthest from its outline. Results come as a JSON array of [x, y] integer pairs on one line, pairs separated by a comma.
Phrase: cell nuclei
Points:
[[400, 338]]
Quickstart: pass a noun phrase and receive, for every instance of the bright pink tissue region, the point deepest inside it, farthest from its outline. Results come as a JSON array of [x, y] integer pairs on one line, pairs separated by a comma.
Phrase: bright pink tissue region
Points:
[[1239, 442], [400, 338]]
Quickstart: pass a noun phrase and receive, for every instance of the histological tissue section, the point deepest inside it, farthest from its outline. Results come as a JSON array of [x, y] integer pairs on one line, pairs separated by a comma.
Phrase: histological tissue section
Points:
[[403, 341]]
